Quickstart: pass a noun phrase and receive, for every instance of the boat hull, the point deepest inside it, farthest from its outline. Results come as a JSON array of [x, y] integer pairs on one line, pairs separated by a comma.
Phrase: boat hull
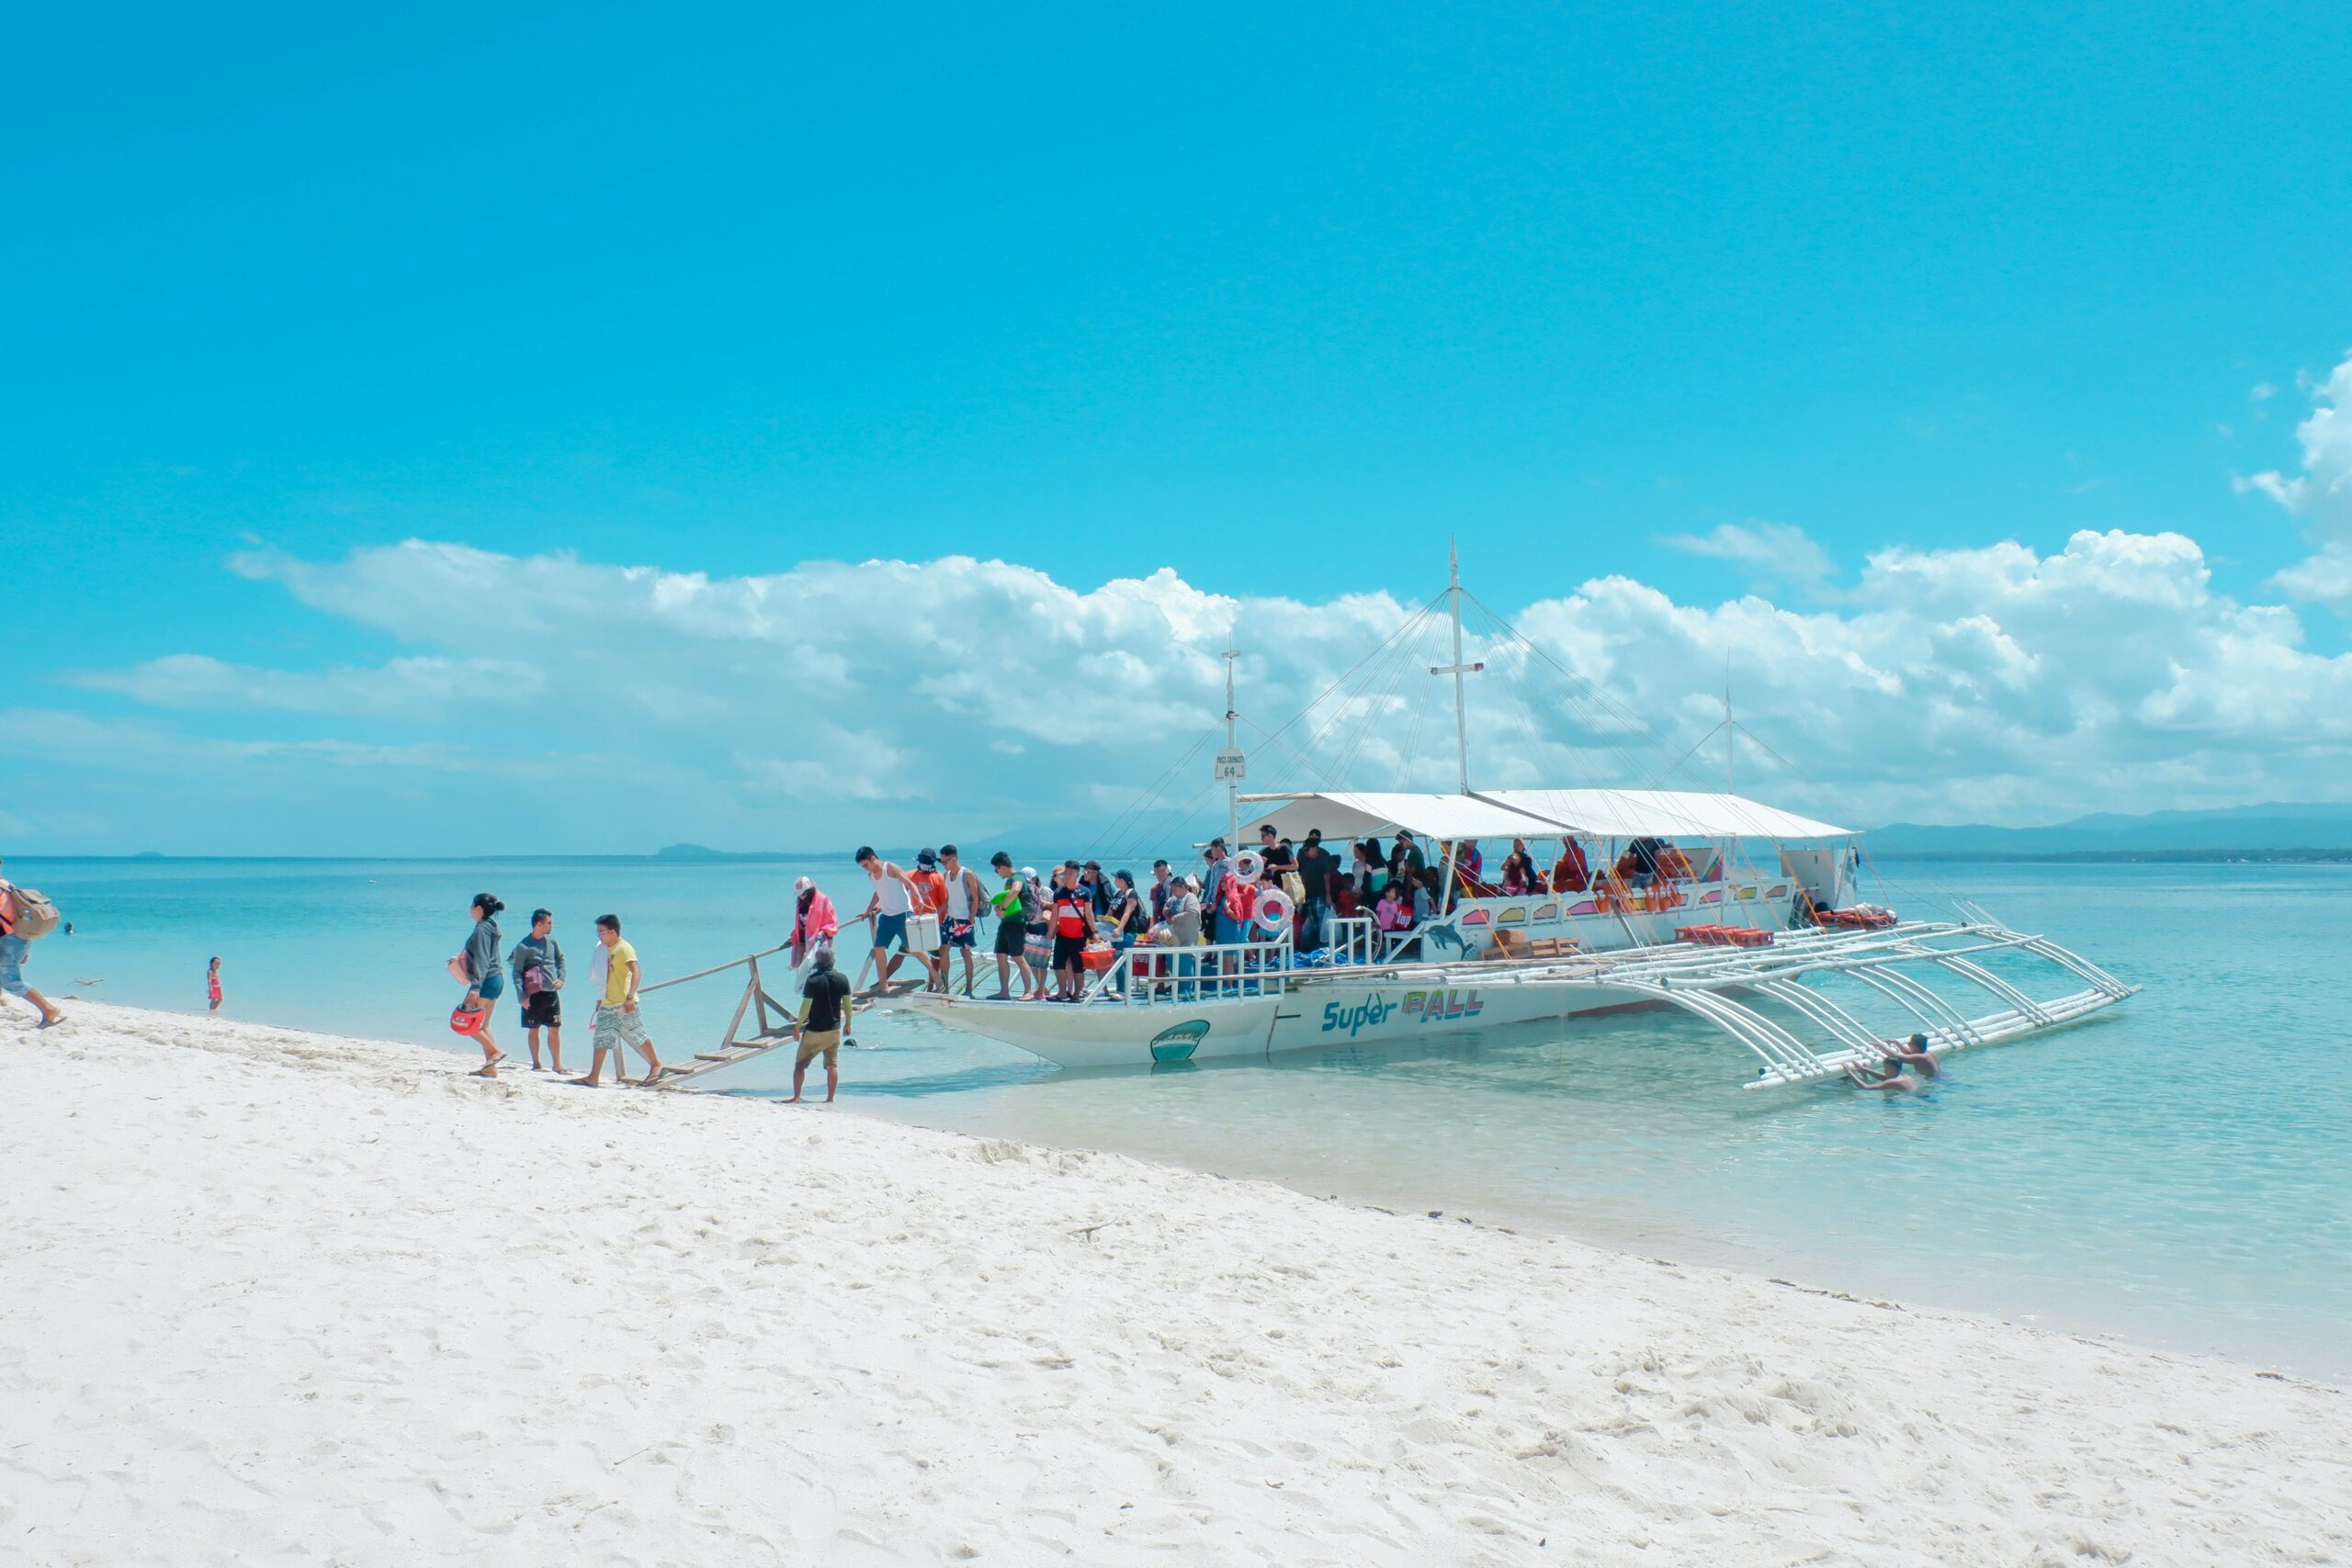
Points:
[[1306, 1017]]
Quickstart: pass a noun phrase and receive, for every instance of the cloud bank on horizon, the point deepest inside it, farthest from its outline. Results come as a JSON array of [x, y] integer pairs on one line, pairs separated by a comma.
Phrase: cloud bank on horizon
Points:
[[547, 703]]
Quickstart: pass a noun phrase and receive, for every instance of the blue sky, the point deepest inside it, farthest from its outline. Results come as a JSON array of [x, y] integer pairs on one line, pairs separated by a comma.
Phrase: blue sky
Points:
[[1272, 301]]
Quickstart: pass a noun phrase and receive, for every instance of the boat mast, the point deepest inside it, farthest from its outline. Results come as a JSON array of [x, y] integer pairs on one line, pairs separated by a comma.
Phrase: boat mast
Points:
[[1457, 669], [1731, 731], [1229, 766], [1461, 722]]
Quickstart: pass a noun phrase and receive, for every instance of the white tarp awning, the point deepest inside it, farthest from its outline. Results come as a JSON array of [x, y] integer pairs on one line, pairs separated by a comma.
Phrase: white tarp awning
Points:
[[1534, 814], [1353, 815], [1663, 814]]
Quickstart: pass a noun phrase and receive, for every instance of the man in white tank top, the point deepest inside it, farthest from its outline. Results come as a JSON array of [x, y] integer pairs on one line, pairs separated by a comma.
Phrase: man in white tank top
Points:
[[960, 927], [893, 901]]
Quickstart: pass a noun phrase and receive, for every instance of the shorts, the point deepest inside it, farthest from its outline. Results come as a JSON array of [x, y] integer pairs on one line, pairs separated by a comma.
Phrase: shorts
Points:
[[825, 1042], [889, 929], [1066, 950], [12, 965], [1011, 936], [542, 1010], [491, 987], [957, 934], [615, 1028]]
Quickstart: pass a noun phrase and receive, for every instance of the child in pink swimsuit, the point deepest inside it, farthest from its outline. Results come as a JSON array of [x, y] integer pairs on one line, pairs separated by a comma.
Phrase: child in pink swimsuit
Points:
[[212, 985]]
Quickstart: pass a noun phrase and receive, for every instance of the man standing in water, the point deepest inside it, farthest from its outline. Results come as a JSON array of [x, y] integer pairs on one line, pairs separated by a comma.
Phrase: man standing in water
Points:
[[537, 965], [618, 1020], [824, 1018]]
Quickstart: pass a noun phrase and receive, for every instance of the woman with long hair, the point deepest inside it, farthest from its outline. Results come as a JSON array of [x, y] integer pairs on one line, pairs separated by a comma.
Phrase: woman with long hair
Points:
[[485, 978]]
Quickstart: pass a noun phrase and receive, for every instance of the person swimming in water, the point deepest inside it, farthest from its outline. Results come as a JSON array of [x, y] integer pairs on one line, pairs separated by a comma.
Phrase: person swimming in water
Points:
[[1912, 1053], [1895, 1081]]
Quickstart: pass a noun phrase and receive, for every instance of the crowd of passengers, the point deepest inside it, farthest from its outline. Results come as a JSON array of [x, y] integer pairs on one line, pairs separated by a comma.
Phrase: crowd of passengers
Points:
[[1047, 924]]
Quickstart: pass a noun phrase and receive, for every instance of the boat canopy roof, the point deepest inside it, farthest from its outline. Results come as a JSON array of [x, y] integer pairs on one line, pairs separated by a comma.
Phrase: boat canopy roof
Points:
[[1535, 814], [1664, 814]]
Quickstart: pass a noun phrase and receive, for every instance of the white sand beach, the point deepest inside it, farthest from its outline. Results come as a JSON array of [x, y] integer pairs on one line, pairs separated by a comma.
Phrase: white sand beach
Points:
[[277, 1296]]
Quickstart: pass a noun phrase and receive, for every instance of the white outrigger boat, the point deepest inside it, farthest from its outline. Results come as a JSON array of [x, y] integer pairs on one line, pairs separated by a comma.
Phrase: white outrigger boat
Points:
[[1727, 909]]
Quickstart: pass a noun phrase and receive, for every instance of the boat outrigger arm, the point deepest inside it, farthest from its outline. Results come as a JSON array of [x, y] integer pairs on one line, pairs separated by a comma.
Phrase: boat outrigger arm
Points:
[[1825, 1037]]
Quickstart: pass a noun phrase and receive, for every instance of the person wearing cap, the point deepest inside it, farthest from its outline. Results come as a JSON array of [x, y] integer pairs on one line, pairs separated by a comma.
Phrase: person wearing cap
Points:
[[825, 1010], [814, 924], [1015, 907], [1040, 929], [959, 913], [1096, 886], [1317, 867], [930, 899]]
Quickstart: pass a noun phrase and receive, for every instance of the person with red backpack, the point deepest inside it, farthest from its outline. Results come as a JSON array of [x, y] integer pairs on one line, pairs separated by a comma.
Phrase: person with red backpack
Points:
[[24, 915], [1073, 920]]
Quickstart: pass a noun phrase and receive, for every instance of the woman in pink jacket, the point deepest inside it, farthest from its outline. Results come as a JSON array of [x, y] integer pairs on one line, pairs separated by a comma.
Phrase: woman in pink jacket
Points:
[[814, 924]]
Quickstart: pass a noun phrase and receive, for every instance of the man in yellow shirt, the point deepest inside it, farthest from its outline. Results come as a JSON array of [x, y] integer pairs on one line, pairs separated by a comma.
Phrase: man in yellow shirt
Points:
[[618, 1020]]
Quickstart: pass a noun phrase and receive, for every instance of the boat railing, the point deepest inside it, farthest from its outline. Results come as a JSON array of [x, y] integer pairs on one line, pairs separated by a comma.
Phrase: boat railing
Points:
[[1354, 938], [1209, 972]]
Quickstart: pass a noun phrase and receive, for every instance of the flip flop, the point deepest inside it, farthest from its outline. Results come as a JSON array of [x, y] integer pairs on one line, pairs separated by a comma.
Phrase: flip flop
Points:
[[490, 1071]]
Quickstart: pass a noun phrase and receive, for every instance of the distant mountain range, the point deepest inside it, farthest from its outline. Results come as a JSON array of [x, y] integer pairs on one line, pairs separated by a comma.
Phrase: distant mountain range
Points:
[[2271, 831], [699, 854]]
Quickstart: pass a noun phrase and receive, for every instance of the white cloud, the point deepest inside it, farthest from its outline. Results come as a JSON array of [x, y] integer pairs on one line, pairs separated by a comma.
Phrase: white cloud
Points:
[[1770, 554], [398, 687], [550, 704], [2321, 495]]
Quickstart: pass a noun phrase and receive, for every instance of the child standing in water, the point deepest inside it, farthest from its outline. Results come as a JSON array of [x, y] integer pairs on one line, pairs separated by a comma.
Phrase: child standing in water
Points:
[[212, 986]]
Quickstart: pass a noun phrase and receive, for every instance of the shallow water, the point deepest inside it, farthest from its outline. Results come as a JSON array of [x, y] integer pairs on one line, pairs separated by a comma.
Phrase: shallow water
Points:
[[2177, 1170]]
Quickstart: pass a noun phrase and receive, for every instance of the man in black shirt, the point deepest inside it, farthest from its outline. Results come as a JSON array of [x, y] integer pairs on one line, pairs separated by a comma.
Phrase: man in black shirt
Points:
[[1275, 851], [824, 1020], [1315, 865]]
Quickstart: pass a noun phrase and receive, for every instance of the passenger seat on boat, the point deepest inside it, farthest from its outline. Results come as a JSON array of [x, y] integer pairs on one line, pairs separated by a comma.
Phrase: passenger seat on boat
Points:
[[1509, 946]]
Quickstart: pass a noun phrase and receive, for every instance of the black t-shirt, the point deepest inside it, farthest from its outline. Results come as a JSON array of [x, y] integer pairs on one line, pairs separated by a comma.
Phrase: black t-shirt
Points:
[[826, 989], [1278, 858], [1315, 866]]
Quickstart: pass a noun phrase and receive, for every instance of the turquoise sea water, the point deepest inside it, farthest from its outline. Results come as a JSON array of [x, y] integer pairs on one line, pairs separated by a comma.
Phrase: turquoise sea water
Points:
[[2176, 1172]]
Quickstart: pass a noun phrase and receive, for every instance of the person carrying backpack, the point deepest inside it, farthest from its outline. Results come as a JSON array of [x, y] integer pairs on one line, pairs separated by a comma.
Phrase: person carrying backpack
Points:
[[1014, 910], [24, 915]]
